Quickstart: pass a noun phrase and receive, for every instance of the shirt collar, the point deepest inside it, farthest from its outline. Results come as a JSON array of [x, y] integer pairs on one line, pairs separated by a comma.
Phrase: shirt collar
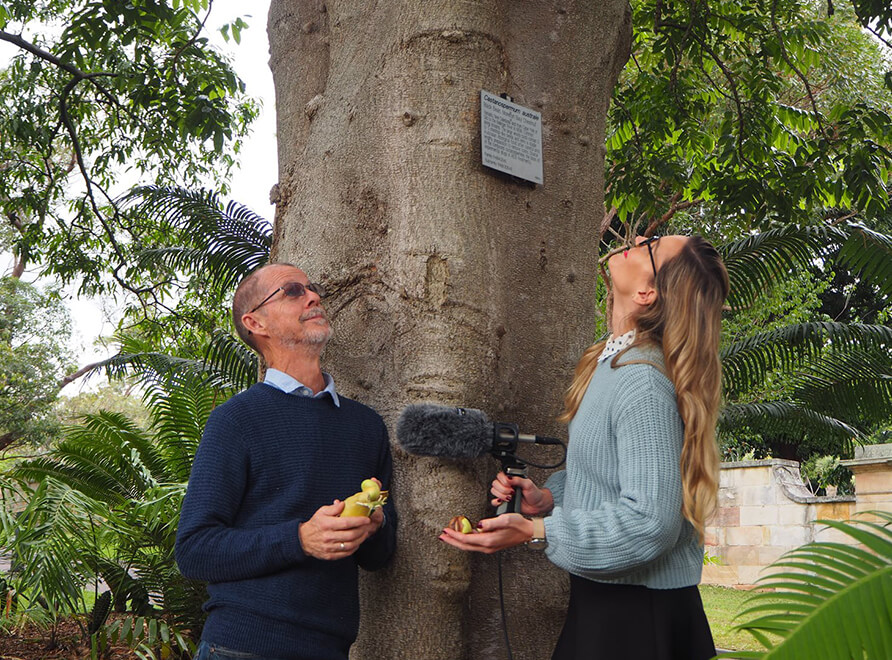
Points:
[[282, 381], [616, 344]]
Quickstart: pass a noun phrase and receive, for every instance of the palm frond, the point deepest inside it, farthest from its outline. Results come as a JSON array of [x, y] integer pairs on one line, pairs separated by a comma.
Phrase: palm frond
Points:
[[148, 366], [179, 408], [857, 385], [786, 418], [106, 458], [832, 601], [869, 254], [221, 243], [153, 367], [227, 355], [755, 262], [46, 545], [746, 362]]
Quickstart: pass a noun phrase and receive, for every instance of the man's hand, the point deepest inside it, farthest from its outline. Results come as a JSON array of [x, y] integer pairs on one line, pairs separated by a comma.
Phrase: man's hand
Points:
[[328, 536]]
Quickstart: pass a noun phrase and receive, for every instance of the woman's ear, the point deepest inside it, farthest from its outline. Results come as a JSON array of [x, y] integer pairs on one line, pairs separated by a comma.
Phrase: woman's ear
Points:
[[645, 297]]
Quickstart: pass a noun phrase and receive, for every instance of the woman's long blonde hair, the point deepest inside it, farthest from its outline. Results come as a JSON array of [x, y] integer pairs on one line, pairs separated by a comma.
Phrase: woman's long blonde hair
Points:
[[685, 320]]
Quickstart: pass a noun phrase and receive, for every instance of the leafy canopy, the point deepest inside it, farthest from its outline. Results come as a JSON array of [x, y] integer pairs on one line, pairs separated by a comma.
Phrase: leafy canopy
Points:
[[753, 112], [118, 92], [34, 354]]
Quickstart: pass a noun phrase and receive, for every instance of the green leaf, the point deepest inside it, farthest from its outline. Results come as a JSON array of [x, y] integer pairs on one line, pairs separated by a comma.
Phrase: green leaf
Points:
[[849, 615]]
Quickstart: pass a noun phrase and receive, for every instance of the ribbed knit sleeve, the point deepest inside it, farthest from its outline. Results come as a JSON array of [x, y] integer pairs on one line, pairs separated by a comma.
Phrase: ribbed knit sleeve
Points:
[[555, 485], [618, 514], [209, 546]]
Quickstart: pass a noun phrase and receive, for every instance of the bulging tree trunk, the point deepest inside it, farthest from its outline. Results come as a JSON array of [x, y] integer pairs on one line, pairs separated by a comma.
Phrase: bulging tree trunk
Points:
[[450, 282]]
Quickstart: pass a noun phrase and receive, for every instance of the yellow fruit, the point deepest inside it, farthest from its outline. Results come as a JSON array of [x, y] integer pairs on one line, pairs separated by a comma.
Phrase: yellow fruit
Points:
[[357, 505], [366, 500]]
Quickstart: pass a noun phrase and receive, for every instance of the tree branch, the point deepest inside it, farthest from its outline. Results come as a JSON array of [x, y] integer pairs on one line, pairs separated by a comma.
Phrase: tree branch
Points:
[[738, 104], [70, 378], [7, 439], [182, 49], [18, 41], [19, 269], [673, 209], [786, 57]]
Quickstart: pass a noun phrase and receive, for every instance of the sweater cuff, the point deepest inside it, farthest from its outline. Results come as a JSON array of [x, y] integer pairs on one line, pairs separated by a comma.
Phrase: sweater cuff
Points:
[[292, 549]]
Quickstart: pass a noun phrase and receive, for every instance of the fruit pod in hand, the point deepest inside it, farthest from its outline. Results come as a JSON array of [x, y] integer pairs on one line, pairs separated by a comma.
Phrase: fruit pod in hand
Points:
[[461, 524], [365, 501]]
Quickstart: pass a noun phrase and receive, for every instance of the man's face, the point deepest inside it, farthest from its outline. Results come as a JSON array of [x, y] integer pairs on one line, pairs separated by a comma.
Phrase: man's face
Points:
[[292, 320]]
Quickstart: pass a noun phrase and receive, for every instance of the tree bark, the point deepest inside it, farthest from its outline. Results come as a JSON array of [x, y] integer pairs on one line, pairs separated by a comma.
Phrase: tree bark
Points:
[[450, 282]]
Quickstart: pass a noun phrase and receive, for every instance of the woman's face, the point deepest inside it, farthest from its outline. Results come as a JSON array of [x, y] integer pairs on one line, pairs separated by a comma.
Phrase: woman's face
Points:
[[632, 271]]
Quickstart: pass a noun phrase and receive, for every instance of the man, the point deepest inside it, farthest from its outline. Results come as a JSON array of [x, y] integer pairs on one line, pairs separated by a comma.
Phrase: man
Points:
[[260, 521]]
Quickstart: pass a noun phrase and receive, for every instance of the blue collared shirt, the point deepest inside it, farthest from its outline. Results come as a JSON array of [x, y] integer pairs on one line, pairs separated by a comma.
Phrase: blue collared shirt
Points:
[[282, 381]]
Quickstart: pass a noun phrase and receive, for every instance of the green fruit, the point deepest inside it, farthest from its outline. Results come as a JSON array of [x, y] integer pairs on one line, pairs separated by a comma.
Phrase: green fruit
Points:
[[371, 488], [461, 524]]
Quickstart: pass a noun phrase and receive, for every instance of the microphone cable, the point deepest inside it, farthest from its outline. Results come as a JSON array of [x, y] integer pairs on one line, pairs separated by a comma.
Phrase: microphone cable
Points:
[[552, 466], [504, 613]]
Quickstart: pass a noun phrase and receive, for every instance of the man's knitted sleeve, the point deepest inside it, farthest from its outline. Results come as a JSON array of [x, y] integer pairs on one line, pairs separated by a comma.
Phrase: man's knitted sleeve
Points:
[[607, 537], [208, 546]]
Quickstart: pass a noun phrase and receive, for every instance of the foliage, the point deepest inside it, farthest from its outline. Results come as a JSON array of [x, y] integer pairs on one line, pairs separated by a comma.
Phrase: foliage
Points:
[[830, 600], [107, 497], [803, 380], [823, 471], [34, 354], [114, 396], [104, 504], [111, 91], [215, 244], [750, 112], [764, 126], [211, 247]]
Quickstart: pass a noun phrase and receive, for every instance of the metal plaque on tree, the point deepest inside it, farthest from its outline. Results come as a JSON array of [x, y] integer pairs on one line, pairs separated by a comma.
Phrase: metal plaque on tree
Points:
[[510, 137]]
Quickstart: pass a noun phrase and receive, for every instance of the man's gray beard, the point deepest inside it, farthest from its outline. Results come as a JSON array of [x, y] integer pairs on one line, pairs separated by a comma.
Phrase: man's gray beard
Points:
[[315, 337]]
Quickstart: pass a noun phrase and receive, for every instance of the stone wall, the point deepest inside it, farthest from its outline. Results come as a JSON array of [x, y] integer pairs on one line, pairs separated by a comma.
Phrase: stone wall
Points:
[[765, 510]]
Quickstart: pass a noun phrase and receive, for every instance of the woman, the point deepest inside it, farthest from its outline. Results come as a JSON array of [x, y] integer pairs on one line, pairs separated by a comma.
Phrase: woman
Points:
[[626, 518]]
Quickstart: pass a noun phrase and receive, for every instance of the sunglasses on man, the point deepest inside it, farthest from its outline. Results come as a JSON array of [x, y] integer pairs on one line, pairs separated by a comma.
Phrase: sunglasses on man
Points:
[[293, 290]]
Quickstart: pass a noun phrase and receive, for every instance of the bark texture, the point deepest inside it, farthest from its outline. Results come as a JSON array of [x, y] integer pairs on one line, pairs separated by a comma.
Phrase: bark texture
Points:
[[450, 282]]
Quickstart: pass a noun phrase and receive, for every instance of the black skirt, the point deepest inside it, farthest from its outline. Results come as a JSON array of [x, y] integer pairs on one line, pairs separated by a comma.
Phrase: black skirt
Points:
[[631, 622]]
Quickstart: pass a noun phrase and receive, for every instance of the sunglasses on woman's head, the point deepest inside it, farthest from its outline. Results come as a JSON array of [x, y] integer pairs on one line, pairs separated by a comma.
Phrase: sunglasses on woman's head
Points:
[[293, 290]]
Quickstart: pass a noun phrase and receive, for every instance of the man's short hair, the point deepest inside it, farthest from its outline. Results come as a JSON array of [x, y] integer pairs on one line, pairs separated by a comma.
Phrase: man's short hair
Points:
[[247, 295]]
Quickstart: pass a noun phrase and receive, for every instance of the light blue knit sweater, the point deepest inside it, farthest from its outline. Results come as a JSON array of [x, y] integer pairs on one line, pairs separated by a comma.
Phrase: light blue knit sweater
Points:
[[617, 514]]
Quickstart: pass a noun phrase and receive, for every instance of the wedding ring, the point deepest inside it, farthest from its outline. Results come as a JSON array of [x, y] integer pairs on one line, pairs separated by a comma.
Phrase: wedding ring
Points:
[[342, 547]]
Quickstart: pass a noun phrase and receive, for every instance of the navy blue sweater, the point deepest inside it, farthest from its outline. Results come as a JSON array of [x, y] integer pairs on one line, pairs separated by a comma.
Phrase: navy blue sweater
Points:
[[266, 462]]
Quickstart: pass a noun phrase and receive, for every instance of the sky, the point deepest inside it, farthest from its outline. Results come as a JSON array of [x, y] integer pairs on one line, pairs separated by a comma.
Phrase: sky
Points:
[[250, 184]]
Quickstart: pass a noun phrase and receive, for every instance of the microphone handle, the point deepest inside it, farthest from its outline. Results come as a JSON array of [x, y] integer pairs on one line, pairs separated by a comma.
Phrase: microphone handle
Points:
[[513, 506]]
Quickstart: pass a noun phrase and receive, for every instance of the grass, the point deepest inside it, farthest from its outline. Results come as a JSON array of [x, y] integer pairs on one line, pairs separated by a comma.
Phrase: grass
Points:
[[722, 604]]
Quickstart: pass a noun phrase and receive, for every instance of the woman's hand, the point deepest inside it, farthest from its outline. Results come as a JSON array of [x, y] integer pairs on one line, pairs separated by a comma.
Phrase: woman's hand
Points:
[[499, 533], [534, 501]]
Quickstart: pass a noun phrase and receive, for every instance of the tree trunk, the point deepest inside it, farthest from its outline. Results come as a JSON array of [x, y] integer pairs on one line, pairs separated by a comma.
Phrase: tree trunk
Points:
[[450, 282]]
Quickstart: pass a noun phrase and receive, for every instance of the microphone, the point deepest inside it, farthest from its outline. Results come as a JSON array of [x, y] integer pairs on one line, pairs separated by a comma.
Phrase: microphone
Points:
[[427, 429]]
